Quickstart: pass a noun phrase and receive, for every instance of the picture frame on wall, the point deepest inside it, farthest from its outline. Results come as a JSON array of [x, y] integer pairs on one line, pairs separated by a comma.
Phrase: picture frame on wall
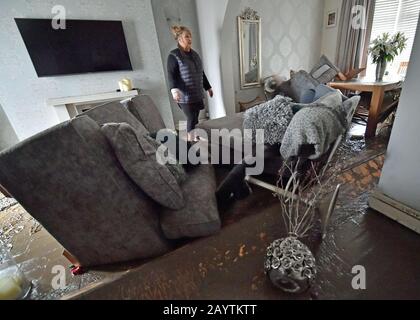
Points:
[[332, 19]]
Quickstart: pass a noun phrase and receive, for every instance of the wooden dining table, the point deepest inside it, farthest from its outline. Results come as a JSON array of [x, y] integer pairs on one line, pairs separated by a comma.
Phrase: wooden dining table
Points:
[[378, 90]]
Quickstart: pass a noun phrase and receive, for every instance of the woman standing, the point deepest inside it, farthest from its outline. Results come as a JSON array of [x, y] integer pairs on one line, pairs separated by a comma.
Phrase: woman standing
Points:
[[187, 78]]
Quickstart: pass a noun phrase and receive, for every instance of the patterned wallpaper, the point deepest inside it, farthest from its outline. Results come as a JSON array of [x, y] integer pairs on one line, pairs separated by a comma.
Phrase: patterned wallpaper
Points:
[[291, 37], [23, 95]]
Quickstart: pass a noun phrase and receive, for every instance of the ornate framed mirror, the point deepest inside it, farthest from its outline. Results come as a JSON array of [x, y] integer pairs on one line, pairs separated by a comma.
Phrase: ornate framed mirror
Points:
[[249, 32]]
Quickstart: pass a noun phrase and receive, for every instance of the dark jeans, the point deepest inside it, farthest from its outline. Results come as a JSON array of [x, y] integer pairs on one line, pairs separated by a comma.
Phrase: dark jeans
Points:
[[191, 111], [234, 185]]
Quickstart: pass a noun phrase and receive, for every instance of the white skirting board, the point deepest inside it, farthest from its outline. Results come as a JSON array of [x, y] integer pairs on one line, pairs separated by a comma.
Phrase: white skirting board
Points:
[[395, 210]]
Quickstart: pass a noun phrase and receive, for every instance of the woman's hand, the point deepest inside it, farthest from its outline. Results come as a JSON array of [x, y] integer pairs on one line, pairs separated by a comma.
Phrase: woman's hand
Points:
[[210, 91], [176, 95]]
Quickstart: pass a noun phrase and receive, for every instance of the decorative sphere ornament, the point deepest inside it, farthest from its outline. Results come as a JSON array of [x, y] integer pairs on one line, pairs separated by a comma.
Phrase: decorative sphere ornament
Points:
[[290, 265]]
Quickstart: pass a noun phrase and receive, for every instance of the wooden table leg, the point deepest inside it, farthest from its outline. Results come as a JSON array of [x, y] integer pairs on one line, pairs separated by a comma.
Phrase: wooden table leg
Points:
[[374, 111]]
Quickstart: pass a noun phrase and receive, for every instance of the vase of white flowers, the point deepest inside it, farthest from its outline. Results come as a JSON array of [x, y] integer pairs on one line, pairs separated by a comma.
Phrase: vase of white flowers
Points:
[[380, 70], [385, 48]]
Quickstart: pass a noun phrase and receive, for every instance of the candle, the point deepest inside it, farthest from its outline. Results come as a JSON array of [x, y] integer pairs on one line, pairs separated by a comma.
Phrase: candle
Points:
[[10, 287], [125, 85]]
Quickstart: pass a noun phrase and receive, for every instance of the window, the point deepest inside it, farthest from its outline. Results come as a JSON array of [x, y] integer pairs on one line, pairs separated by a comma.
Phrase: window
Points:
[[393, 16]]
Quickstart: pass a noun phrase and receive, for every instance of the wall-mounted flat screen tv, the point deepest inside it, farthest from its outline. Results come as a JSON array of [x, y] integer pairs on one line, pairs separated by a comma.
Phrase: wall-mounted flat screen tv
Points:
[[83, 46]]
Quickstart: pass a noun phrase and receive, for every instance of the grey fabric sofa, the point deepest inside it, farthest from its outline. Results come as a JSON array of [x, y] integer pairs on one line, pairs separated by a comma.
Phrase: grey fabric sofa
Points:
[[69, 179]]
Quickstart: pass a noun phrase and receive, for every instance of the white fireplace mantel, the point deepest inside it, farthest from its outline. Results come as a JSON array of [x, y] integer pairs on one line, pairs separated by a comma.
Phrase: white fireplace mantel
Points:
[[68, 107]]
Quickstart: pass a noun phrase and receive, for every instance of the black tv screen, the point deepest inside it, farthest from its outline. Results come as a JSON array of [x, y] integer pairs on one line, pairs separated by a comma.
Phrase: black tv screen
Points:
[[83, 46]]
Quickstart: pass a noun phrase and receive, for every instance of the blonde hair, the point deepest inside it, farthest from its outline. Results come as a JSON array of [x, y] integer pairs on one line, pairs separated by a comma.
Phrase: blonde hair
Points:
[[178, 31]]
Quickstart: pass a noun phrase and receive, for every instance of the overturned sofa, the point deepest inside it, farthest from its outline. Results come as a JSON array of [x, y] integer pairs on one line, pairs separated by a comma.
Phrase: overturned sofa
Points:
[[71, 180]]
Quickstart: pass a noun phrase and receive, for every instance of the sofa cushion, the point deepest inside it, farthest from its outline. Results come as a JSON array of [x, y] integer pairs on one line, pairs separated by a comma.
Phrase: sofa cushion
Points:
[[144, 109], [311, 95], [176, 146], [307, 96], [138, 158], [319, 125], [234, 124], [200, 216], [114, 112], [323, 90], [299, 83], [230, 123]]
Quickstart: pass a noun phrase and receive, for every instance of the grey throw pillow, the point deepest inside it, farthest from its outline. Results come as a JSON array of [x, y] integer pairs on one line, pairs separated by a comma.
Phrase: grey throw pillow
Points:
[[323, 90], [307, 96], [300, 82], [138, 158], [145, 110], [319, 124], [173, 165], [316, 97], [350, 106], [331, 100], [345, 109]]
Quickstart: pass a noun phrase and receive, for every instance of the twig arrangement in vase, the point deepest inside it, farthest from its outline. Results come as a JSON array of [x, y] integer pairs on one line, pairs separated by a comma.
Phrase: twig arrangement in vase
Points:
[[289, 263], [385, 48]]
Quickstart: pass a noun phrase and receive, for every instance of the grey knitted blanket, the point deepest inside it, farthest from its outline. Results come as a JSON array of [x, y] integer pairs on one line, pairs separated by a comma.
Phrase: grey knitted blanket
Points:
[[317, 124], [273, 117]]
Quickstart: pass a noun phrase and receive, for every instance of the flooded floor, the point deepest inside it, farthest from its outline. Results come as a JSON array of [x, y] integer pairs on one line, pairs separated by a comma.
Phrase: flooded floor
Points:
[[38, 253], [229, 265]]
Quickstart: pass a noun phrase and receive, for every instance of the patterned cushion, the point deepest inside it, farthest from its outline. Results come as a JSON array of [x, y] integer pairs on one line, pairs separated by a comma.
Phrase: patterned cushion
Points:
[[272, 116], [138, 158], [324, 71]]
